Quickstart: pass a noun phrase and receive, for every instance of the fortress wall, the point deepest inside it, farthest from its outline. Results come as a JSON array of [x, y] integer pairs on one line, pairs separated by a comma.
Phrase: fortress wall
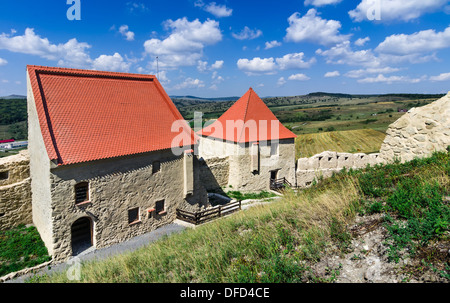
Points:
[[323, 165], [15, 191], [419, 132]]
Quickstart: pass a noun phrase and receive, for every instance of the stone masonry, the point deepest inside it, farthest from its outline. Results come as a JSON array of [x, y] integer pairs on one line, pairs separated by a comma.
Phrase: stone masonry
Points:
[[323, 165], [15, 191], [419, 132]]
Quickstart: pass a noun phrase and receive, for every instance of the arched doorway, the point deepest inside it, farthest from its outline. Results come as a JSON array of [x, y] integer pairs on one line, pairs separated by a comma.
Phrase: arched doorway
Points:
[[81, 235]]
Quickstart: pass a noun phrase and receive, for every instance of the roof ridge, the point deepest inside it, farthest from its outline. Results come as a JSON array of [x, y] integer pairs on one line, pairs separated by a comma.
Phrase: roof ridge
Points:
[[245, 113]]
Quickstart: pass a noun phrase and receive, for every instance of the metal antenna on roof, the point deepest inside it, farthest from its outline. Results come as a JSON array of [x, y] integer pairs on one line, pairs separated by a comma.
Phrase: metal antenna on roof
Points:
[[157, 67]]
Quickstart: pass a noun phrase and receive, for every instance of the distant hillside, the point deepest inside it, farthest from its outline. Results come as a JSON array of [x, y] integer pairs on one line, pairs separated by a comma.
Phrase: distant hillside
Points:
[[13, 97], [204, 99]]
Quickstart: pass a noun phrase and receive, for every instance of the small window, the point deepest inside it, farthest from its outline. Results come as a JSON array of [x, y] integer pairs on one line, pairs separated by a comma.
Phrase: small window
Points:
[[133, 215], [159, 207], [81, 192], [156, 167], [4, 175], [273, 149]]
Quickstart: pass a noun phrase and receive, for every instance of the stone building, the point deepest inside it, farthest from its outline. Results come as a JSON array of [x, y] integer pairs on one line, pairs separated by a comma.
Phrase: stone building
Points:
[[105, 163], [252, 142]]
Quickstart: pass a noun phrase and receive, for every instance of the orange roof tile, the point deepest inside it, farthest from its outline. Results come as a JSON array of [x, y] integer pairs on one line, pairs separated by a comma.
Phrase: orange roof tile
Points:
[[87, 115], [247, 120]]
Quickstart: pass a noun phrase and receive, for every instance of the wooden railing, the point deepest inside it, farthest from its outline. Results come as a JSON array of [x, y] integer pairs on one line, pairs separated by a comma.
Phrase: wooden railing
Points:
[[279, 184], [209, 214]]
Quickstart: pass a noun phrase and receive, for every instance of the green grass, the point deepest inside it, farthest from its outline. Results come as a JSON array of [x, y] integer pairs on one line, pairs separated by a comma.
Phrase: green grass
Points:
[[280, 242], [20, 248], [244, 196]]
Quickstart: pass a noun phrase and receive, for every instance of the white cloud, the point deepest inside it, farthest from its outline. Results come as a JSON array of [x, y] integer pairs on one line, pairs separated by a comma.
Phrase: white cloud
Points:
[[293, 61], [162, 77], [281, 81], [114, 63], [247, 34], [270, 65], [134, 7], [190, 83], [257, 65], [332, 74], [416, 43], [312, 28], [389, 80], [299, 77], [321, 2], [71, 54], [272, 44], [363, 72], [217, 65], [129, 35], [3, 62], [184, 46], [393, 10], [441, 77], [218, 10], [362, 41], [202, 66], [343, 54]]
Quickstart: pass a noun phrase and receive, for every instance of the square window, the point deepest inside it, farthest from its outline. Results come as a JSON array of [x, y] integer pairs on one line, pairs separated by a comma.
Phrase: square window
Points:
[[159, 207], [4, 175], [81, 192], [133, 215], [156, 167]]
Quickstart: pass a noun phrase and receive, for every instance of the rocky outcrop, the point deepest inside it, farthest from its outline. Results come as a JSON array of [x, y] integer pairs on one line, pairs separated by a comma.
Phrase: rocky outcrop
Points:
[[419, 132]]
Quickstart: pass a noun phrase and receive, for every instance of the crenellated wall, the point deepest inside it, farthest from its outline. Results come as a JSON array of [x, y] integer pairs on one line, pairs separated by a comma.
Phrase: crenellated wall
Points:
[[323, 165]]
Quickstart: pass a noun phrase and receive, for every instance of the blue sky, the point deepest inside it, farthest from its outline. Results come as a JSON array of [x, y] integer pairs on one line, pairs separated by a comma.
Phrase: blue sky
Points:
[[221, 48]]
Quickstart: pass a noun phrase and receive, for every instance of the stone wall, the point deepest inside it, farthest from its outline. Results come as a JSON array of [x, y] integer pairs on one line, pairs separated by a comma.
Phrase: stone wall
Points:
[[214, 173], [419, 132], [323, 165], [247, 167], [115, 186], [15, 191]]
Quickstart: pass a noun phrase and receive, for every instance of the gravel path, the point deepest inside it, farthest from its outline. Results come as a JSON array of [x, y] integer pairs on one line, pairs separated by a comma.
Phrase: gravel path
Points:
[[103, 253]]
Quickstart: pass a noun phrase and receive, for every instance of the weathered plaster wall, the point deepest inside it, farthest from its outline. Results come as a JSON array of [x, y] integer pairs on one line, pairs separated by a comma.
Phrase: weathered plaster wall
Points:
[[214, 173], [419, 132], [15, 191], [323, 165], [39, 173], [115, 186], [241, 175]]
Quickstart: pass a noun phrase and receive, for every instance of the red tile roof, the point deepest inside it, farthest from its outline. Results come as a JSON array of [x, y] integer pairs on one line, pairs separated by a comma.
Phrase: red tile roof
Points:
[[247, 120], [87, 115]]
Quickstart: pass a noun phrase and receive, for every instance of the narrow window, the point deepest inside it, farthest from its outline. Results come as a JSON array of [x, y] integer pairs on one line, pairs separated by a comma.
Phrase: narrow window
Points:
[[4, 175], [159, 207], [156, 167], [81, 192], [133, 215], [273, 149]]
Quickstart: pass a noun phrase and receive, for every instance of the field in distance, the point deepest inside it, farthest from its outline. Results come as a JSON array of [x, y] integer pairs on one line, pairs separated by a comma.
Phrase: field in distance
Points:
[[350, 141]]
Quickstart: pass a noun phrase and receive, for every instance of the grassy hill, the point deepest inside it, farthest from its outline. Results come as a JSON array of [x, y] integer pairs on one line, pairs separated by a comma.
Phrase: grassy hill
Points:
[[351, 141], [284, 241]]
